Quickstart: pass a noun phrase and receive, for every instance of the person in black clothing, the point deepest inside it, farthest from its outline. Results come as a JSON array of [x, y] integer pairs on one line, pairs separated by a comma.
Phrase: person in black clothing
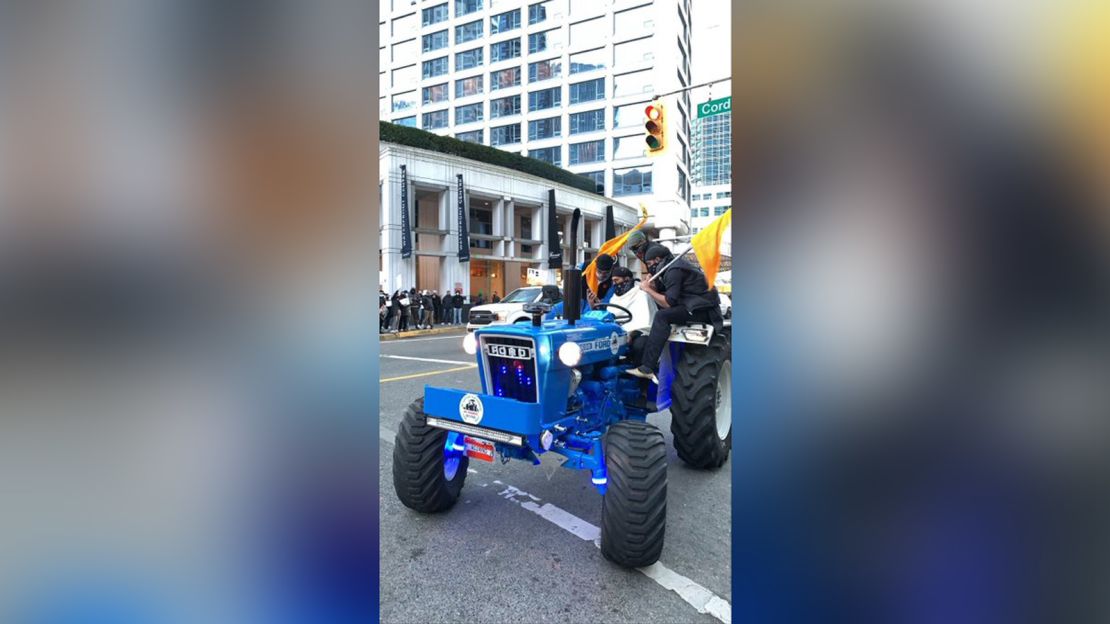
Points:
[[480, 300], [446, 314], [383, 310], [414, 309], [458, 300], [400, 311], [437, 307], [682, 295], [495, 298], [604, 264], [427, 309]]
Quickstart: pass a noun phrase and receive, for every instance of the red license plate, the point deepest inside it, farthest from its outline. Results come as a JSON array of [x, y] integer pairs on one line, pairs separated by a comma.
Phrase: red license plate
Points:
[[479, 449]]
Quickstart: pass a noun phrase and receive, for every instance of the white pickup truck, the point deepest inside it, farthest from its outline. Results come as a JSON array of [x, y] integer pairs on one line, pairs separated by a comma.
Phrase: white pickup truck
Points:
[[511, 308]]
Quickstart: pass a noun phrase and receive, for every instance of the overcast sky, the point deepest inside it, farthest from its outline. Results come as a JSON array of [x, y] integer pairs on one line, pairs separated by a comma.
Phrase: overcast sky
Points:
[[711, 41]]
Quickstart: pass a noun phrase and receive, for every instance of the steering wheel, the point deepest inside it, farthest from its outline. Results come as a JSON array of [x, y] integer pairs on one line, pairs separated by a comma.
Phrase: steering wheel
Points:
[[625, 317]]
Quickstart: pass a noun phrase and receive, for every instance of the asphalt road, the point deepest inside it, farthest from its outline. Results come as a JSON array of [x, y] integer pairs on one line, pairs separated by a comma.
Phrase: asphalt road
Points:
[[519, 544]]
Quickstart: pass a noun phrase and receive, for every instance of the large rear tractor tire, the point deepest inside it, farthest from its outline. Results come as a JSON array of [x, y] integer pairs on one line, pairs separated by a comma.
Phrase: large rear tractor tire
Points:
[[701, 403], [427, 474], [634, 509]]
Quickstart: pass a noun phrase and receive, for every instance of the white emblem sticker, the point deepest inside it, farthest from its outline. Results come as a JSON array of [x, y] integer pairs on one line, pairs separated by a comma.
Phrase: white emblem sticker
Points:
[[614, 343], [470, 409]]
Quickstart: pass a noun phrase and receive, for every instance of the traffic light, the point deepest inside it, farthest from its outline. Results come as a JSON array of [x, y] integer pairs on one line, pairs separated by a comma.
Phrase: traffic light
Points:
[[655, 127]]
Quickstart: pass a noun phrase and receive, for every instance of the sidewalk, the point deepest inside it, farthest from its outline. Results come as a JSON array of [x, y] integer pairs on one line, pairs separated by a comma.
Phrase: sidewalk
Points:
[[438, 329]]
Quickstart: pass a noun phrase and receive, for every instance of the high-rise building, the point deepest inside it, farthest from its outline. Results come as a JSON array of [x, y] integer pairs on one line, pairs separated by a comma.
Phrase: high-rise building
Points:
[[564, 81], [713, 150]]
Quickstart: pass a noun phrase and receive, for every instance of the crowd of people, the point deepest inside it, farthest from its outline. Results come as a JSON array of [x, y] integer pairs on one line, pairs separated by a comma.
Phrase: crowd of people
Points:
[[411, 309]]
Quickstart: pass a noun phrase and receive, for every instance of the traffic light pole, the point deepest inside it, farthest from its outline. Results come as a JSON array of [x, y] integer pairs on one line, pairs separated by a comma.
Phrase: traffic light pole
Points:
[[697, 86]]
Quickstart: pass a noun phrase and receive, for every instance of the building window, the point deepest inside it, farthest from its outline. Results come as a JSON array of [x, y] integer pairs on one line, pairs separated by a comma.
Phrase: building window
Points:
[[469, 113], [468, 60], [435, 41], [628, 147], [466, 7], [474, 136], [589, 31], [406, 121], [435, 120], [633, 181], [547, 40], [589, 60], [683, 191], [404, 51], [587, 91], [632, 84], [547, 98], [544, 128], [632, 53], [504, 22], [504, 79], [404, 101], [634, 20], [720, 210], [693, 213], [588, 121], [468, 32], [629, 115], [537, 12], [468, 86], [404, 76], [434, 15], [599, 180], [724, 194], [553, 155], [504, 50], [504, 135], [435, 67], [504, 107], [435, 93], [545, 70], [590, 151]]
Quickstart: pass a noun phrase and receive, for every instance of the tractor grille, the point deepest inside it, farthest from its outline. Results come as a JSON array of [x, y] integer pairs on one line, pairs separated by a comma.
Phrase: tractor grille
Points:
[[511, 367]]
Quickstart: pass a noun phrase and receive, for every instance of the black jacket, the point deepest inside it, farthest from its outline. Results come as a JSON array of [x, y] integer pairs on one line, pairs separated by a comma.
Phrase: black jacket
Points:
[[459, 300], [684, 285], [427, 301]]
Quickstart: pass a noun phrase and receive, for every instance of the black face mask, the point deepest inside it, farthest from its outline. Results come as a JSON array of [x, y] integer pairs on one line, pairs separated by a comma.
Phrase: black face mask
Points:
[[652, 268], [622, 287]]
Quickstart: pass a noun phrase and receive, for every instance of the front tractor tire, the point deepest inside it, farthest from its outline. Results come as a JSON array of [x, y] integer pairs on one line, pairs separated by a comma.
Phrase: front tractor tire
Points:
[[634, 509], [701, 404], [426, 475]]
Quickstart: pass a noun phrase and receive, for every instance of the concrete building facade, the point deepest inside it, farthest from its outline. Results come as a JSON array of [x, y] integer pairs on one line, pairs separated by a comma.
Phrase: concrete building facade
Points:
[[506, 221]]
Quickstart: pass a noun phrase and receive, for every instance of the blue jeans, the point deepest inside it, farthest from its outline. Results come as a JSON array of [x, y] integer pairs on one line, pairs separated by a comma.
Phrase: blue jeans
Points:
[[458, 315]]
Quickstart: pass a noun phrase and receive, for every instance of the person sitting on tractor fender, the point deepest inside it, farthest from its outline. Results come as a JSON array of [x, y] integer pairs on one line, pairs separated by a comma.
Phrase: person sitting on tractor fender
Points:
[[682, 296]]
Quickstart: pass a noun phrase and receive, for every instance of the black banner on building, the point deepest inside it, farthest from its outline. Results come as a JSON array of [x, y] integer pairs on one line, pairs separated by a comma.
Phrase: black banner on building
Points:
[[406, 228], [464, 234], [554, 247], [610, 224]]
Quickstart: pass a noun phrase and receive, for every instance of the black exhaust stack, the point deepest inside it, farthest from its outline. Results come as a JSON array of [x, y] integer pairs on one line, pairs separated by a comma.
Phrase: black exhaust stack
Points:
[[572, 283]]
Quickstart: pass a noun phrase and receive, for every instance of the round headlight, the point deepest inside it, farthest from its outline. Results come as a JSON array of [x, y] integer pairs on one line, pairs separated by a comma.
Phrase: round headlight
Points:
[[470, 344], [570, 353]]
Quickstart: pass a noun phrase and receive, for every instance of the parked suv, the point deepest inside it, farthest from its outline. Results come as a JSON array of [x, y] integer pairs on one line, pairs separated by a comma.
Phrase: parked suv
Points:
[[511, 308]]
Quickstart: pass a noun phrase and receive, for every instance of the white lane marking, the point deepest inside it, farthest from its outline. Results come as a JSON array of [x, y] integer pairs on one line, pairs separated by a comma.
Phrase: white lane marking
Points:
[[420, 359], [699, 597], [703, 600], [455, 336]]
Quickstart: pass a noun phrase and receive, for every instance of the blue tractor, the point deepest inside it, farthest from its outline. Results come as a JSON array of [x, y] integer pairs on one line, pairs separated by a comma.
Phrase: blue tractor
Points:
[[559, 387]]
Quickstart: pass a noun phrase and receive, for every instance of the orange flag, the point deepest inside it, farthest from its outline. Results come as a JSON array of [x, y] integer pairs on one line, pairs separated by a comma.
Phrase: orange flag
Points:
[[610, 248], [707, 245]]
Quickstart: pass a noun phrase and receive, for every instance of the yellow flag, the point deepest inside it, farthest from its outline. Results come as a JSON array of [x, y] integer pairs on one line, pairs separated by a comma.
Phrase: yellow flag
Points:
[[610, 248], [707, 245]]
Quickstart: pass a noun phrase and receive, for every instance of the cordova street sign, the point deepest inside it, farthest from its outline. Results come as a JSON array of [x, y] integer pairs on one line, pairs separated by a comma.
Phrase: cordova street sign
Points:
[[715, 107]]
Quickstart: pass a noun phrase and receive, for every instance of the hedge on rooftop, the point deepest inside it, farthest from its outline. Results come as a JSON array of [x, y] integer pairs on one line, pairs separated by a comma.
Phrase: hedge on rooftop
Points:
[[414, 137]]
